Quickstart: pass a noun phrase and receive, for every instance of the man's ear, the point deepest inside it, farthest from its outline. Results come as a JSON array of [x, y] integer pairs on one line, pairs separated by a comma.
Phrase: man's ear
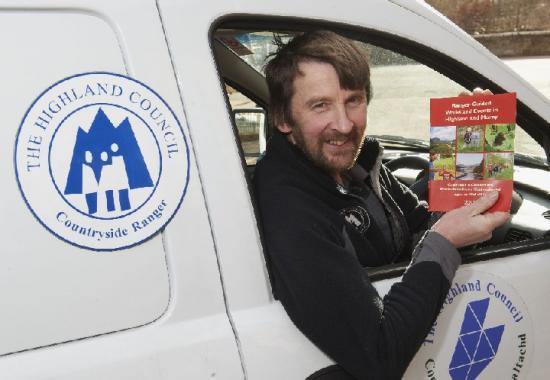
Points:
[[284, 128]]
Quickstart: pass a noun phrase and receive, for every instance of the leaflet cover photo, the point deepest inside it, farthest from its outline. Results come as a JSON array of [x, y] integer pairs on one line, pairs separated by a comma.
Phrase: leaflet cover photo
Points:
[[471, 150]]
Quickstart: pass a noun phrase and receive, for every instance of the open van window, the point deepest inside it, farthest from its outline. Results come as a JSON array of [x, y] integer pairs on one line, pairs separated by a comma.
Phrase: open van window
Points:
[[398, 116]]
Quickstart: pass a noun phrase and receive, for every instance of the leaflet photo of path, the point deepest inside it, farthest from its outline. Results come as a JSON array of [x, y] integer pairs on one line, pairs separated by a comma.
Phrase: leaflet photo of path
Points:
[[499, 137], [499, 165], [442, 153]]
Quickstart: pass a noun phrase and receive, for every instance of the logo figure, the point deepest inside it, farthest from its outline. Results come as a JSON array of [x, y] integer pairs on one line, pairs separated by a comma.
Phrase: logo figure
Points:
[[107, 157], [476, 346], [358, 217]]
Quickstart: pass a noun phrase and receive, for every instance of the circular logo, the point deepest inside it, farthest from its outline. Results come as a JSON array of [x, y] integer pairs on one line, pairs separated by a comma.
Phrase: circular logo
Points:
[[357, 216], [102, 161], [483, 331]]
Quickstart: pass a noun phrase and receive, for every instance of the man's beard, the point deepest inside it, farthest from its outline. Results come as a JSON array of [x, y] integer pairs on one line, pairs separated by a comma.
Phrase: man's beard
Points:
[[331, 162]]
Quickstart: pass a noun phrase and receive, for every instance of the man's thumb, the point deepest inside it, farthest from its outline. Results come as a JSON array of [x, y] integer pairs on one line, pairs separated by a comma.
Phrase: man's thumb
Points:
[[484, 203], [496, 219]]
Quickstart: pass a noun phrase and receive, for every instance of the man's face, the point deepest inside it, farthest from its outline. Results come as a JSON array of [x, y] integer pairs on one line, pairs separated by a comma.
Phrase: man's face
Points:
[[328, 122]]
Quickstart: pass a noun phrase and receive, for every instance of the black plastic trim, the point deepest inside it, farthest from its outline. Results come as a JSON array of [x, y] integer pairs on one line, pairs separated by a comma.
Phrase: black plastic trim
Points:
[[260, 103], [469, 256]]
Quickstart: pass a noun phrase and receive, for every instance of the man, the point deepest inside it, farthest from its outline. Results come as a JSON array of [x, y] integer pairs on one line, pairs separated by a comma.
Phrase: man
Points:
[[468, 136], [329, 209], [431, 170]]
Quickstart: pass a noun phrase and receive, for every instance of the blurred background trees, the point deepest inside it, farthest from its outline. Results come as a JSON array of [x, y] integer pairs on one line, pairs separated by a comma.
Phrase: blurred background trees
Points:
[[509, 28]]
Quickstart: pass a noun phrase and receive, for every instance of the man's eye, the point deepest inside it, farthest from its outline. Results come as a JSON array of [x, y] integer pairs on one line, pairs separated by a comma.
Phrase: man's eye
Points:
[[320, 106], [355, 101]]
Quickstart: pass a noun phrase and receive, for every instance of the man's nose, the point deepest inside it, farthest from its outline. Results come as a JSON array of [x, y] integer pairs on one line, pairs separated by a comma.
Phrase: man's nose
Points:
[[342, 122]]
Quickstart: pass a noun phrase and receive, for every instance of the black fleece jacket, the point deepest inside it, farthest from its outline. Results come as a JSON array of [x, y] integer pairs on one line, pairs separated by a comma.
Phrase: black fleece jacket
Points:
[[319, 240]]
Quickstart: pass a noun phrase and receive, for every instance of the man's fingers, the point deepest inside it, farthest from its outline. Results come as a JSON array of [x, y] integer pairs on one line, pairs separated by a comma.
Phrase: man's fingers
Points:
[[476, 92], [495, 219], [483, 203]]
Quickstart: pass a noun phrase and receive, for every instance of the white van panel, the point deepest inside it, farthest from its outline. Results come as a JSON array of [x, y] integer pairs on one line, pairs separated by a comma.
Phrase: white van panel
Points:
[[50, 290]]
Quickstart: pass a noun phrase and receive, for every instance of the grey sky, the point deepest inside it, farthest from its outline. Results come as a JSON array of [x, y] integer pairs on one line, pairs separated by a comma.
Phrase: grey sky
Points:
[[469, 159], [443, 133]]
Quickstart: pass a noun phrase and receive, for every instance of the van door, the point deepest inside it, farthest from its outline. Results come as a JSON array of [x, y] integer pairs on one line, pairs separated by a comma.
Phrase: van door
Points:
[[109, 269], [502, 281]]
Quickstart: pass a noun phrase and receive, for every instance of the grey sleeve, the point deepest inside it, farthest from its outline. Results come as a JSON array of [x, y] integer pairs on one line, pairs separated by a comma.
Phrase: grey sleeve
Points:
[[436, 248]]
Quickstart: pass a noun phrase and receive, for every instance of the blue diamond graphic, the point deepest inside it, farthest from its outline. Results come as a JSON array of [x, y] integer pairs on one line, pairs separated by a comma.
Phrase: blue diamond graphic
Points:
[[470, 342], [475, 347], [480, 309], [470, 322], [484, 350], [460, 357], [494, 334], [476, 369], [459, 373]]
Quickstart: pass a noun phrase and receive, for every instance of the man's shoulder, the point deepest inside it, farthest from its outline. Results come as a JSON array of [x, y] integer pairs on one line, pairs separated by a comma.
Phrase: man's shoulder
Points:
[[276, 180], [283, 186], [281, 166], [269, 169]]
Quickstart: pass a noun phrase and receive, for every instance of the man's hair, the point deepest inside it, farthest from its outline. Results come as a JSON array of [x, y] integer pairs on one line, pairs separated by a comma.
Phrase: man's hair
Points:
[[346, 57]]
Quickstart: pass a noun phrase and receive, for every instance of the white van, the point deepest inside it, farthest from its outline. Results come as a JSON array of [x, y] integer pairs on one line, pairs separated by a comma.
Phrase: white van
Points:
[[153, 268]]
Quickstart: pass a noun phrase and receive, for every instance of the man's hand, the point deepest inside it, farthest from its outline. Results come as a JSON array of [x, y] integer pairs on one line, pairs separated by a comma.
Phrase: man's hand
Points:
[[469, 225], [477, 92]]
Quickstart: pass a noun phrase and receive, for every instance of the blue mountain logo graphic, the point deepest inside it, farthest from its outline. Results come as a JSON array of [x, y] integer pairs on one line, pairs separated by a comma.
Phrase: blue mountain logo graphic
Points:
[[476, 346], [99, 148]]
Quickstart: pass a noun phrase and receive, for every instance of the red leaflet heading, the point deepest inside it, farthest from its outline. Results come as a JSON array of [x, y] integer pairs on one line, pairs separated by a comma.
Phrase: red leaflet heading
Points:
[[473, 110]]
